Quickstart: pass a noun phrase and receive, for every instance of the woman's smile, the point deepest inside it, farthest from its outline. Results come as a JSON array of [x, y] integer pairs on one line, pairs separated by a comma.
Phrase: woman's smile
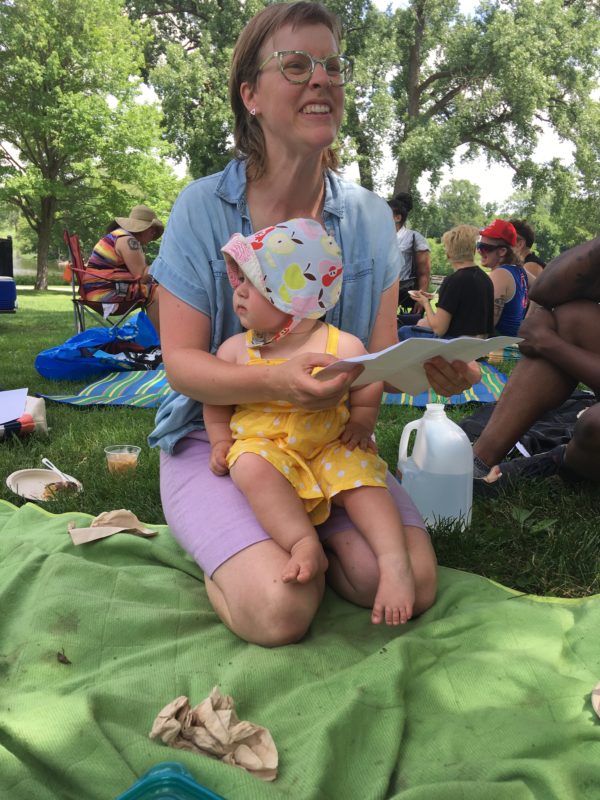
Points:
[[298, 116], [316, 108]]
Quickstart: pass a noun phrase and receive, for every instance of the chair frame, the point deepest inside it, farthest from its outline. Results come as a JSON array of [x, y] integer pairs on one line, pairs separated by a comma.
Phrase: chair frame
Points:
[[95, 310]]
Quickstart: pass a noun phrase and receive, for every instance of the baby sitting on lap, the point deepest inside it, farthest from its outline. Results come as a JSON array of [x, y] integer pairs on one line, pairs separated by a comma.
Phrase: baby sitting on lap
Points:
[[290, 463]]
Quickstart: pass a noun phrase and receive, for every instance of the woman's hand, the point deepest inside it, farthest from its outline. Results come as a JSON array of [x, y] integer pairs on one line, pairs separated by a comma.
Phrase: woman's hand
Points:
[[448, 378], [294, 382]]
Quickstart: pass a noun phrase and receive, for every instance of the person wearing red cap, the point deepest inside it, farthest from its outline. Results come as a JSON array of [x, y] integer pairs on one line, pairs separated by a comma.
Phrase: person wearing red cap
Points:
[[561, 348], [496, 248]]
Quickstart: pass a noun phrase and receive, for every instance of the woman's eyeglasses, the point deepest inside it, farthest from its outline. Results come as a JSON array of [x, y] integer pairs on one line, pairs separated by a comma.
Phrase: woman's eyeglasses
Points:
[[297, 66], [482, 247]]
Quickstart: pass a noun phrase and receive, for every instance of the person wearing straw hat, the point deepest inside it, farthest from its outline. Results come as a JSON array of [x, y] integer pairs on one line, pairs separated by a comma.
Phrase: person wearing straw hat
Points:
[[119, 256]]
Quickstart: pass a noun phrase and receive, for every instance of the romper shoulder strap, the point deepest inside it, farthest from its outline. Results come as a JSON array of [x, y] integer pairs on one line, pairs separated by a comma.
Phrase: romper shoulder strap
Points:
[[253, 352], [333, 339]]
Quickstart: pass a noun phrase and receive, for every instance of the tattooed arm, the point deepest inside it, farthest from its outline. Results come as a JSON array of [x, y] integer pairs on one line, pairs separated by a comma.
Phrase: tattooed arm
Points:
[[132, 254], [504, 290]]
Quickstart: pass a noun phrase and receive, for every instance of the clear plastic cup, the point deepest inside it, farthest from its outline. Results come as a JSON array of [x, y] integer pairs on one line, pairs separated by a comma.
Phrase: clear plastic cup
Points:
[[122, 458]]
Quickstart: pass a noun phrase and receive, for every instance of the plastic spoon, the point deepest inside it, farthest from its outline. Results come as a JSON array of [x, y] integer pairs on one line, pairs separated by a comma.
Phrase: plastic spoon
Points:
[[47, 463]]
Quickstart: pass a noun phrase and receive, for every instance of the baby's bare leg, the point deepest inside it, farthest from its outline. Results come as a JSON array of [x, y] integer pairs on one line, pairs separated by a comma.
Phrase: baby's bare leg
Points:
[[281, 513], [374, 514]]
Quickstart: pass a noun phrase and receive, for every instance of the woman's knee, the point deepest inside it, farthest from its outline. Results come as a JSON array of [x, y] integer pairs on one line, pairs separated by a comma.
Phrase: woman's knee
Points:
[[424, 567], [286, 621], [363, 583], [276, 614], [425, 589]]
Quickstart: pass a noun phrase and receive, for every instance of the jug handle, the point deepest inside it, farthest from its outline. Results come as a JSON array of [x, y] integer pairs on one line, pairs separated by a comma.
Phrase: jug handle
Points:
[[408, 429]]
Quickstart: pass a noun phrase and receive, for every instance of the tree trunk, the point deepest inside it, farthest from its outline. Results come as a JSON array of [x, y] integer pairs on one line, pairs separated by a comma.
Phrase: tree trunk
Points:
[[366, 174], [363, 149], [413, 77], [44, 228], [402, 183]]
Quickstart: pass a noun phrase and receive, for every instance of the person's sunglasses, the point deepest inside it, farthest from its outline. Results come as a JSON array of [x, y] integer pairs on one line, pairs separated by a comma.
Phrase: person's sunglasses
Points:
[[297, 66], [482, 247]]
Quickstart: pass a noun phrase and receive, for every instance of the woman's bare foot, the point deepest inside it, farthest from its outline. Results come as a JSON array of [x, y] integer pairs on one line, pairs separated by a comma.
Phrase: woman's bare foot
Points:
[[395, 593], [306, 562]]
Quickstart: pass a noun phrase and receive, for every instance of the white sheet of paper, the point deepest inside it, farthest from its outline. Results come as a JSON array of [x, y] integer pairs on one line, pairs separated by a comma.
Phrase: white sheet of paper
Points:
[[12, 404], [402, 363]]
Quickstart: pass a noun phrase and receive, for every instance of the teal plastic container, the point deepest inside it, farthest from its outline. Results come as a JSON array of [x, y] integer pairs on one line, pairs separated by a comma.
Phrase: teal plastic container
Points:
[[168, 781]]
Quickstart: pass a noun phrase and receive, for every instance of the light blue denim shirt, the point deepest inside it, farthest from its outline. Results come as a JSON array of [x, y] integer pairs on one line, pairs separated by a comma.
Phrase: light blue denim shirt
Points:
[[190, 265]]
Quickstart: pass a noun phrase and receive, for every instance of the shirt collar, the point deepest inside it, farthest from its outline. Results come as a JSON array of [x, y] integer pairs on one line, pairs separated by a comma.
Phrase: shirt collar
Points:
[[232, 189]]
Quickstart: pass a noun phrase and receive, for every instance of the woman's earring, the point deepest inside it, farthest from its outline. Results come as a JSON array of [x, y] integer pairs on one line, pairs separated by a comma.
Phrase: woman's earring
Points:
[[253, 112]]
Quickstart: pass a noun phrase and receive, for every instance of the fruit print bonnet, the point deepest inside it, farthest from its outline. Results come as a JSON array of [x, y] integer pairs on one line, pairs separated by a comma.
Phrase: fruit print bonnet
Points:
[[296, 265]]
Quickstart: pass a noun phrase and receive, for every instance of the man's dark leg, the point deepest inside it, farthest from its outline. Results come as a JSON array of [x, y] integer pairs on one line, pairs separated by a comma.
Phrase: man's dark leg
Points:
[[537, 385], [582, 455]]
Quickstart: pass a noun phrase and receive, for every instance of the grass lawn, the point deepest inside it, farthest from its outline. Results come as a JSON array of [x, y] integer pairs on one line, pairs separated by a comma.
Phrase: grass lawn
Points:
[[541, 539]]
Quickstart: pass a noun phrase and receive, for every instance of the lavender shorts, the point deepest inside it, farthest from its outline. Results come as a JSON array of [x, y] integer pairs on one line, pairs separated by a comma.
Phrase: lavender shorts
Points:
[[211, 518]]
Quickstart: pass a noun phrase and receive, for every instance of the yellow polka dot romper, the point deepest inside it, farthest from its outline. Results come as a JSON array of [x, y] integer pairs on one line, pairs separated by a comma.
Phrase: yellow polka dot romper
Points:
[[304, 446]]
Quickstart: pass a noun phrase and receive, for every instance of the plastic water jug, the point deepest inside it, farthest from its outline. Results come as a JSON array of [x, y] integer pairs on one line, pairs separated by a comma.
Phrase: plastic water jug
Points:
[[438, 475]]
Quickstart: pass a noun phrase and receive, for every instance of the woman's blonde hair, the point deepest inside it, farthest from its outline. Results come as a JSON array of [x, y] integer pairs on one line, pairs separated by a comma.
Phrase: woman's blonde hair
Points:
[[248, 136], [459, 242]]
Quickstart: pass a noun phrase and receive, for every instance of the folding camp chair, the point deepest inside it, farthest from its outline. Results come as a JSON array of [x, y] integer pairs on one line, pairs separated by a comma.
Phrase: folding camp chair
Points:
[[100, 312]]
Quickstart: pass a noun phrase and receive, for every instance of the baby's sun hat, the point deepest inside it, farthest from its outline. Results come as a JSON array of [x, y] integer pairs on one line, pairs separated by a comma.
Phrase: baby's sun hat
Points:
[[296, 265]]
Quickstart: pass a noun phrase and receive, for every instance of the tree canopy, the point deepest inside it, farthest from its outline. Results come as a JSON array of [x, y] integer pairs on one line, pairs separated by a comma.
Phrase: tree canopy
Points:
[[456, 203], [73, 139], [489, 80], [76, 146], [428, 79]]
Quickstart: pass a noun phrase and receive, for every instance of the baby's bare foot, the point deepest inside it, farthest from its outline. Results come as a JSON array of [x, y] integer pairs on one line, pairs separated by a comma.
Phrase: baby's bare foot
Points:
[[306, 562], [395, 596]]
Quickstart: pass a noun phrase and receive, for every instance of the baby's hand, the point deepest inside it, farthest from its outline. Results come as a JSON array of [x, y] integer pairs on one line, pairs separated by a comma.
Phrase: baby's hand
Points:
[[355, 434], [218, 457]]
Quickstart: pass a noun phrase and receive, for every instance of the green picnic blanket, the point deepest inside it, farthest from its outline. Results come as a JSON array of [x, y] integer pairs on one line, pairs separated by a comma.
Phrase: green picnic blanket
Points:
[[485, 697]]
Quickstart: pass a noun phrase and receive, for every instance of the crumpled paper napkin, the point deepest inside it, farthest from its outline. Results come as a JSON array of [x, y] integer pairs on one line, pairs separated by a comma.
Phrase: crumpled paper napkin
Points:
[[107, 523], [596, 699], [213, 729]]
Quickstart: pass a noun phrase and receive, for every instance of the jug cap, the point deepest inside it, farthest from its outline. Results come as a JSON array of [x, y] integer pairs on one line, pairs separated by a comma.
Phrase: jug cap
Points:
[[435, 408]]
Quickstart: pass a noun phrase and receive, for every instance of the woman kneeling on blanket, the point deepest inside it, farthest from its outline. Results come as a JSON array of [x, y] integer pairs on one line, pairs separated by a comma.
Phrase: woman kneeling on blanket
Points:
[[287, 92]]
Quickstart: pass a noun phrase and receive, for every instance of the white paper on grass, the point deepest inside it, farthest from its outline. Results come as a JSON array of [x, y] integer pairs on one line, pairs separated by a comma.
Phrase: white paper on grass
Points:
[[401, 365], [12, 404]]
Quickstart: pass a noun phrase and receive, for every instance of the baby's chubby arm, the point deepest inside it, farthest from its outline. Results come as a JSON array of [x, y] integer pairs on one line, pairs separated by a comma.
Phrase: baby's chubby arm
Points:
[[363, 402], [217, 418]]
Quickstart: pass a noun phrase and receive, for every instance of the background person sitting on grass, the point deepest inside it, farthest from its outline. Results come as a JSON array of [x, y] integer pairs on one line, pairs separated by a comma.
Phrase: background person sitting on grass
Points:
[[415, 269], [561, 349], [510, 280], [525, 239], [465, 305]]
